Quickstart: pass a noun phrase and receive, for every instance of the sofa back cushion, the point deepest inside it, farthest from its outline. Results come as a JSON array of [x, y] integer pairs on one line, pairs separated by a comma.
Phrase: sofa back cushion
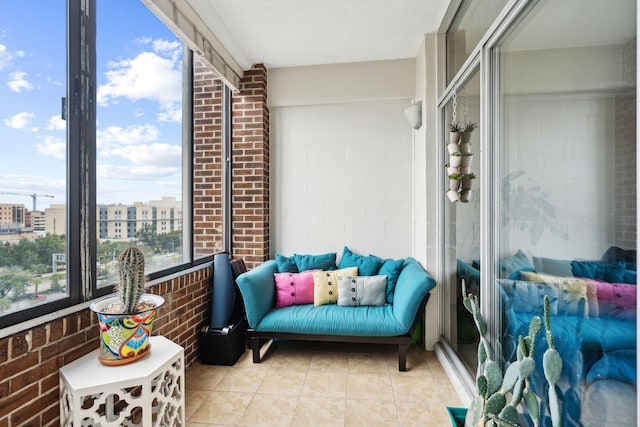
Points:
[[325, 285], [367, 265], [391, 268], [294, 288], [354, 291], [315, 262], [572, 292]]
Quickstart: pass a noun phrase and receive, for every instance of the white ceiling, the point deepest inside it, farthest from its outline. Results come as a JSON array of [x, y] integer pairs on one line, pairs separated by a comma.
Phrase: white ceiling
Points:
[[287, 33]]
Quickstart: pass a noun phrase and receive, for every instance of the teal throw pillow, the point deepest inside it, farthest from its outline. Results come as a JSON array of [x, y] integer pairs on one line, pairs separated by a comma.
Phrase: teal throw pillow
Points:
[[367, 265], [508, 265], [324, 262], [286, 264], [391, 268]]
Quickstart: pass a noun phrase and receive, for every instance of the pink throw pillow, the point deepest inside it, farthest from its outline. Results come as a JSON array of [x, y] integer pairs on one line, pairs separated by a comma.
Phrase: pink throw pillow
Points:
[[294, 288]]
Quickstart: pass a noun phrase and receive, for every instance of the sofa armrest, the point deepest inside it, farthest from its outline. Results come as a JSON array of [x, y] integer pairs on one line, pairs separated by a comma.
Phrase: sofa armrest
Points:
[[413, 284], [258, 289]]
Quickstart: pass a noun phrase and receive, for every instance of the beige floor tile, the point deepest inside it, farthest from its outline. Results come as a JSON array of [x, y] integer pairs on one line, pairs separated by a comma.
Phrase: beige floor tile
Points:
[[204, 377], [325, 384], [319, 411], [415, 388], [329, 361], [367, 363], [369, 386], [292, 360], [282, 381], [419, 414], [193, 400], [269, 410], [243, 380], [371, 413], [222, 407]]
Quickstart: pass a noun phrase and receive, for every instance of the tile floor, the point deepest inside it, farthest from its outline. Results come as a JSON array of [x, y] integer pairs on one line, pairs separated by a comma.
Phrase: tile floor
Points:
[[321, 384]]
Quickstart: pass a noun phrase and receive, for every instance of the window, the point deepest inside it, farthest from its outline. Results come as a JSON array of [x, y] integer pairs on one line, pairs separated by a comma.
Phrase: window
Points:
[[123, 151]]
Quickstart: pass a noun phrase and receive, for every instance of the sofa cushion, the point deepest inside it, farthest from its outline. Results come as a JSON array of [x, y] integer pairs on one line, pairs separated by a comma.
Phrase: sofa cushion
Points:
[[614, 365], [294, 288], [555, 267], [617, 300], [391, 268], [286, 264], [315, 262], [528, 297], [616, 272], [258, 290], [367, 265], [508, 265], [572, 293], [363, 290], [325, 285]]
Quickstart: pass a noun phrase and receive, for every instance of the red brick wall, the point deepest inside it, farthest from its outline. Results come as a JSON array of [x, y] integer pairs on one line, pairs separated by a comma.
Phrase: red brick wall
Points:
[[208, 170], [250, 117], [29, 360]]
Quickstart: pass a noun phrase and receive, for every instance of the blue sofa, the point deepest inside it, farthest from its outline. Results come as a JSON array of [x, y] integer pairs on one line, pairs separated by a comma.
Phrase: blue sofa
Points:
[[392, 323]]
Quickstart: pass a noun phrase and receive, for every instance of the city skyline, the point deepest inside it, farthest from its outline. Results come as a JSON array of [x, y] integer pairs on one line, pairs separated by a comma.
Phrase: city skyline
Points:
[[138, 102]]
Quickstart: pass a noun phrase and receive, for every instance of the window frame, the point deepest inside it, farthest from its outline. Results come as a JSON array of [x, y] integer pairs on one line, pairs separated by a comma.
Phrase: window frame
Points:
[[81, 207]]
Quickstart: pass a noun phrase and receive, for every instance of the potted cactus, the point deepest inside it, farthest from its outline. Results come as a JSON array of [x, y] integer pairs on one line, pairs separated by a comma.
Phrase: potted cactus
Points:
[[499, 397], [126, 320], [465, 132]]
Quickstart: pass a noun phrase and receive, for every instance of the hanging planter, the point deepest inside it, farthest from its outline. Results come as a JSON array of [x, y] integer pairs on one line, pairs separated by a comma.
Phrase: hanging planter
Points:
[[455, 160], [453, 196], [465, 147], [465, 160], [465, 170], [465, 196], [467, 181], [451, 170], [453, 148], [455, 180], [454, 132]]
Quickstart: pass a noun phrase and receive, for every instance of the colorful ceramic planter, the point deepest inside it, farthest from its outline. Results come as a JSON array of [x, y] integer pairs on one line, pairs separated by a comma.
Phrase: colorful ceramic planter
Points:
[[124, 338]]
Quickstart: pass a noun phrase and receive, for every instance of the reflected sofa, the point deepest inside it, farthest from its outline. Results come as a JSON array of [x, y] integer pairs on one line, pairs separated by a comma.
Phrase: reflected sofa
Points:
[[593, 306]]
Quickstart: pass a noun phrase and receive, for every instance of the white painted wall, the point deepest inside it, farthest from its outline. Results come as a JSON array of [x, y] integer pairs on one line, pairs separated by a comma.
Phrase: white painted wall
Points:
[[342, 159]]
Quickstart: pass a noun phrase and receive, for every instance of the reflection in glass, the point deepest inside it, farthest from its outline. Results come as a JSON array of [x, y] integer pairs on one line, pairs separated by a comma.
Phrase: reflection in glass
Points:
[[462, 237], [567, 202]]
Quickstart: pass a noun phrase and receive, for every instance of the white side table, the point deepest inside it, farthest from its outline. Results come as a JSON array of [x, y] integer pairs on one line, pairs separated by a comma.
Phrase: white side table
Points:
[[148, 392]]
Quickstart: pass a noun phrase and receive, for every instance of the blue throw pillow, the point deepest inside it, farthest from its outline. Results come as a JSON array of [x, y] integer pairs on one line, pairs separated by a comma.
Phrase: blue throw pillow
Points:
[[315, 262], [391, 268], [286, 264], [508, 265], [615, 365], [516, 274], [613, 273], [367, 265]]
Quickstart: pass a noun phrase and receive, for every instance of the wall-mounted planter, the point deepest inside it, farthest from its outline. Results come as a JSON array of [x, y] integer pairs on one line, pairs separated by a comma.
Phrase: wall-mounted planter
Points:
[[465, 137], [454, 184], [453, 148], [465, 196], [455, 161], [452, 170], [466, 160], [453, 196], [454, 137], [465, 147]]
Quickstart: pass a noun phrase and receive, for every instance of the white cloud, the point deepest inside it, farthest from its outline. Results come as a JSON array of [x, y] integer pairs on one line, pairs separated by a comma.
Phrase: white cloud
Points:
[[18, 81], [150, 154], [150, 75], [5, 57], [145, 172], [54, 147], [116, 135], [56, 123], [19, 121]]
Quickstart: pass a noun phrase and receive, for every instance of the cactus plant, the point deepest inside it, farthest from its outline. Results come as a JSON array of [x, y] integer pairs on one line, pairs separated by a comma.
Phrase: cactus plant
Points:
[[498, 398], [131, 285]]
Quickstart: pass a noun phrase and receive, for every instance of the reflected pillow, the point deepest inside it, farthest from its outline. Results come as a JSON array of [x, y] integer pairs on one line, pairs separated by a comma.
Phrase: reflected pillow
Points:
[[528, 297], [362, 290], [554, 267], [325, 285], [294, 288], [315, 262], [615, 365], [616, 272], [572, 293], [367, 265], [617, 300], [508, 265]]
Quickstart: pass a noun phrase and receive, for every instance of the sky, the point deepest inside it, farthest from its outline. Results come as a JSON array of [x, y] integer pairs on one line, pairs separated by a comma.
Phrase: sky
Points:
[[139, 96]]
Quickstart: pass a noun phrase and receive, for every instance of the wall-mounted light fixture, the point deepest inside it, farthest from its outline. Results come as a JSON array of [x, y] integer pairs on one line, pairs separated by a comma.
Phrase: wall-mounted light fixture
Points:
[[413, 113]]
